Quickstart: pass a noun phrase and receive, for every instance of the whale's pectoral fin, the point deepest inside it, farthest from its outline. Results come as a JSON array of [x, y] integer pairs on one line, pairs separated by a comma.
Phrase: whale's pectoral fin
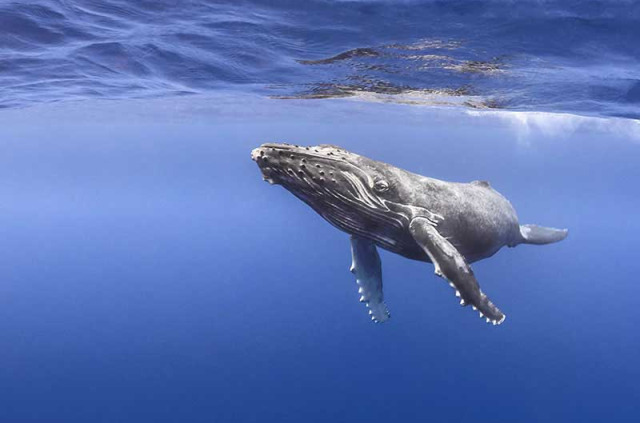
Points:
[[533, 234], [367, 268], [450, 264]]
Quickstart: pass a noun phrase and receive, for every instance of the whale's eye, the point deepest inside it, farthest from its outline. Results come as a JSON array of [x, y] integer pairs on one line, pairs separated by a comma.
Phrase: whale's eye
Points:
[[381, 185]]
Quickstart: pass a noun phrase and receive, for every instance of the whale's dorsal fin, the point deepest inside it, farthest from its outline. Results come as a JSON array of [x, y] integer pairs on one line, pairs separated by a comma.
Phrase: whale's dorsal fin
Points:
[[367, 268], [485, 184], [450, 264]]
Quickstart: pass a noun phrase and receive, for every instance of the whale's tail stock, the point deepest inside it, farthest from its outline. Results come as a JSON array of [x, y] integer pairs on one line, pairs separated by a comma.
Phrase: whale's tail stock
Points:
[[539, 235]]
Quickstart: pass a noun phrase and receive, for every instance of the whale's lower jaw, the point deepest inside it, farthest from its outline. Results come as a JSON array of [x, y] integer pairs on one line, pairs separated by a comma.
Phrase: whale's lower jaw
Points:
[[383, 228]]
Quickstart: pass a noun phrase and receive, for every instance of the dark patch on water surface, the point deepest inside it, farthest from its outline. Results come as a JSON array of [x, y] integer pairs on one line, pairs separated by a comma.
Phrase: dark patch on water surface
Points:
[[384, 91], [427, 72], [416, 57], [356, 52]]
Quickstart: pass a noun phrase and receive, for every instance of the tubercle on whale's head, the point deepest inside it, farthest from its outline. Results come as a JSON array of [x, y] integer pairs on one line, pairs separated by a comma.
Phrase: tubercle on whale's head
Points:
[[289, 165], [350, 191]]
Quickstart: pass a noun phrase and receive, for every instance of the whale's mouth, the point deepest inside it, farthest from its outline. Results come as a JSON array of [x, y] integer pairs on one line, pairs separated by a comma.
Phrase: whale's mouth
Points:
[[330, 180]]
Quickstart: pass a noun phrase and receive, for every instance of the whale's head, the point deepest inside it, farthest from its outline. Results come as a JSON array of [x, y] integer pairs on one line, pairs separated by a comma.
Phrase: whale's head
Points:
[[356, 194]]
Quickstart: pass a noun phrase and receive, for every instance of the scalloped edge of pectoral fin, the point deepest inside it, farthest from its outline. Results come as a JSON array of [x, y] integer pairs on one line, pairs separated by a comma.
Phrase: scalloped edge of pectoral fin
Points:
[[451, 265], [367, 268]]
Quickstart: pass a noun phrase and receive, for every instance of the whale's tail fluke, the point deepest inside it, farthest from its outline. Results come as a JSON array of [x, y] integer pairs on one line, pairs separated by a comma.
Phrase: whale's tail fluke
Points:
[[533, 234]]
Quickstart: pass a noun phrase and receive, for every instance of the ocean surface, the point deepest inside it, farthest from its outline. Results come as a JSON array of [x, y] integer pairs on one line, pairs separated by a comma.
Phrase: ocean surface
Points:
[[149, 274], [558, 56]]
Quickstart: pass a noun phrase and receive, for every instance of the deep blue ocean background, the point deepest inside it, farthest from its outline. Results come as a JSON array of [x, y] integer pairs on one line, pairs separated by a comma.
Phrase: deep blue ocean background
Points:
[[148, 274]]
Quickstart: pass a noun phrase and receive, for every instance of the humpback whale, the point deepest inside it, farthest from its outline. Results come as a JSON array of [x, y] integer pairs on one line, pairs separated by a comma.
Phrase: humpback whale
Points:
[[449, 224]]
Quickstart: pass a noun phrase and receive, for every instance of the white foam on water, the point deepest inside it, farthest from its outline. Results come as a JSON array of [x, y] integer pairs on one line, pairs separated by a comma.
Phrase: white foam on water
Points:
[[529, 124]]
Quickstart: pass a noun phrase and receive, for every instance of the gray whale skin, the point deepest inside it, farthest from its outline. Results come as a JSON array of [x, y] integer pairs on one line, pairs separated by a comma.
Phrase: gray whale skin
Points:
[[448, 224]]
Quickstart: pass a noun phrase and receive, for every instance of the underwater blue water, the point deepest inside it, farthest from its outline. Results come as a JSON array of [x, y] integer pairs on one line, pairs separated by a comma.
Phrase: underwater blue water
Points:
[[148, 274]]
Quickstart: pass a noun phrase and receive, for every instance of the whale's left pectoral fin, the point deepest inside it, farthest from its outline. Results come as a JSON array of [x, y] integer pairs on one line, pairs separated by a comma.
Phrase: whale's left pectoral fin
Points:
[[367, 268], [450, 264]]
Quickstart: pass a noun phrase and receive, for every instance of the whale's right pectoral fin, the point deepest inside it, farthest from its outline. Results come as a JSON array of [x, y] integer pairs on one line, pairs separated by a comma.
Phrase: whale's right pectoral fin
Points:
[[367, 268], [450, 264]]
